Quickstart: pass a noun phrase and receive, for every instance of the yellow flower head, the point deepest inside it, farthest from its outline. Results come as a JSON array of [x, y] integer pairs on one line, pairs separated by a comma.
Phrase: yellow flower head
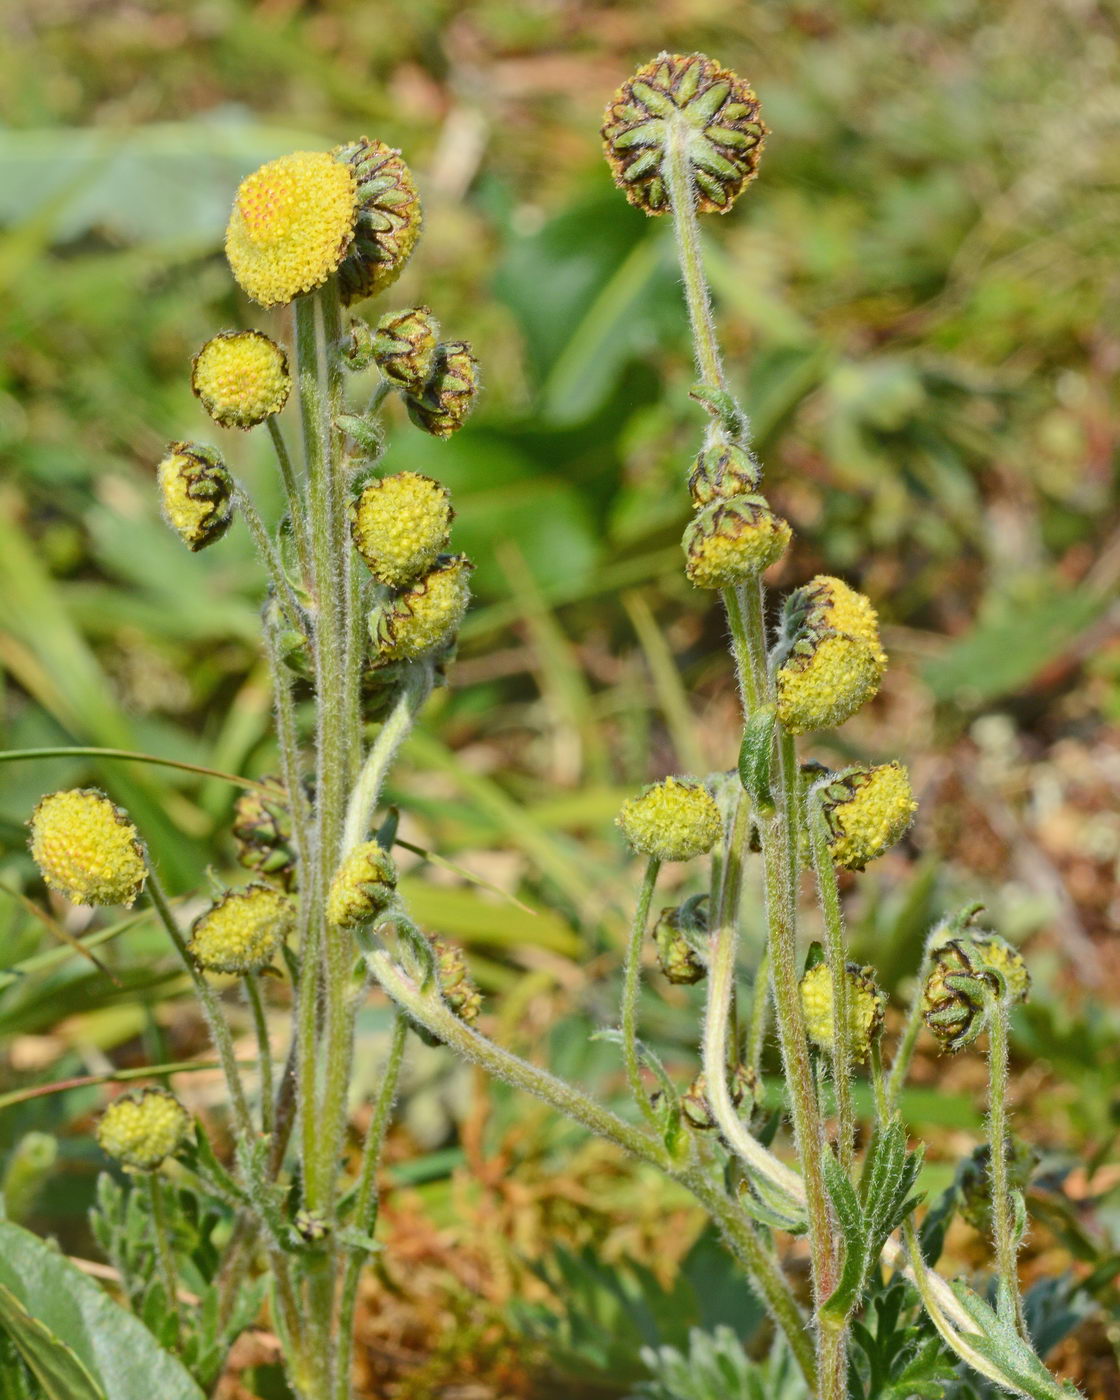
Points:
[[292, 224], [867, 810], [388, 218], [400, 526], [732, 540], [444, 404], [362, 887], [142, 1130], [87, 848], [865, 1008], [424, 619], [241, 377], [243, 931], [826, 679], [671, 820], [830, 602], [197, 493], [994, 951]]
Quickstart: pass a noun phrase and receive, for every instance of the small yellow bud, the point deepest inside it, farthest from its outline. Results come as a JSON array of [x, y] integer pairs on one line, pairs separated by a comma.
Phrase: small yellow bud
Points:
[[827, 677], [722, 471], [994, 951], [448, 396], [865, 1008], [141, 1130], [404, 346], [87, 848], [459, 990], [262, 833], [243, 931], [671, 820], [867, 811], [424, 619], [955, 1013], [676, 956], [362, 887], [400, 525], [731, 541], [197, 493], [241, 377], [388, 220], [718, 115], [292, 223]]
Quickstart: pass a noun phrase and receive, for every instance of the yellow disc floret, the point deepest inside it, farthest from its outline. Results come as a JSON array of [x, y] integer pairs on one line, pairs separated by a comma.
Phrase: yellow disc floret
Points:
[[142, 1130], [834, 604], [425, 618], [243, 931], [196, 492], [241, 377], [867, 811], [826, 679], [87, 848], [400, 525], [865, 1008], [731, 541], [292, 224], [362, 887], [671, 820]]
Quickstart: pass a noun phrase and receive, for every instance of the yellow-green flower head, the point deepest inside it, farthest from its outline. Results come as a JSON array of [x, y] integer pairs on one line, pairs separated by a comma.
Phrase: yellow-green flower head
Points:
[[241, 377], [722, 471], [731, 541], [827, 602], [865, 1008], [425, 618], [994, 951], [388, 219], [196, 492], [142, 1130], [243, 931], [867, 810], [292, 223], [459, 990], [87, 848], [445, 402], [401, 525], [362, 887], [262, 833], [827, 677], [954, 1009], [404, 346], [671, 820], [722, 128], [676, 956]]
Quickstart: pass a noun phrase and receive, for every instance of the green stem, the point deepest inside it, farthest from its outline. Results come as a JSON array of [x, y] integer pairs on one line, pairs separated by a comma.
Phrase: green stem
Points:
[[743, 648], [295, 500], [163, 1253], [631, 986], [760, 1007], [264, 1049], [1003, 1213], [884, 1109], [682, 198], [415, 689]]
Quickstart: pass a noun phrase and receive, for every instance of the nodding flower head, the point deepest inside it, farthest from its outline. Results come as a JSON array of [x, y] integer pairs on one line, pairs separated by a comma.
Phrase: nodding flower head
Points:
[[292, 224], [445, 402], [865, 1008], [677, 958], [722, 471], [401, 524], [671, 820], [363, 886], [242, 932], [87, 848], [388, 218], [404, 346], [732, 541], [141, 1130], [826, 678], [996, 953], [423, 620], [827, 602], [690, 98], [196, 492], [867, 811], [456, 984], [956, 993], [241, 377], [262, 833]]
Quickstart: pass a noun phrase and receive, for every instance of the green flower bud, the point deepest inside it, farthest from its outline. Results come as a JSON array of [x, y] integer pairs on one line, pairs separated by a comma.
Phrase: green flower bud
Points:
[[867, 811], [87, 848], [142, 1129], [695, 1107], [995, 952], [262, 833], [356, 350], [404, 347], [363, 886], [196, 492], [448, 395], [400, 525], [724, 132], [388, 223], [678, 959], [241, 377], [865, 1008], [242, 932], [732, 541], [721, 472], [671, 820], [954, 998], [424, 619], [459, 990]]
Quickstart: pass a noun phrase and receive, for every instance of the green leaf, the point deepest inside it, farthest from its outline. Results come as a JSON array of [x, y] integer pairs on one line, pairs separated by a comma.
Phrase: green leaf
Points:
[[119, 1356], [756, 754], [51, 1361]]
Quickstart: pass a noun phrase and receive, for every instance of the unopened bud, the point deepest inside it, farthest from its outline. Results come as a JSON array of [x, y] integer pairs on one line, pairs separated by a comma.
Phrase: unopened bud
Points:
[[743, 1087], [678, 959], [444, 404], [423, 620], [363, 886], [196, 492], [262, 833], [732, 541], [722, 471], [388, 221], [404, 347], [459, 990]]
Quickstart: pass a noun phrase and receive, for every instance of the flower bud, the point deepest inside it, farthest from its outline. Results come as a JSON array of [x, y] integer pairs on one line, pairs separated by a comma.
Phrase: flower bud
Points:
[[362, 887], [424, 619], [671, 820], [865, 1008], [722, 471], [459, 990], [448, 395], [954, 998], [87, 848], [292, 223], [142, 1129], [388, 219], [404, 346], [262, 833], [356, 350], [697, 1110], [867, 811], [825, 679], [995, 952], [242, 932], [731, 541], [196, 493], [400, 526], [723, 132], [678, 959], [241, 377]]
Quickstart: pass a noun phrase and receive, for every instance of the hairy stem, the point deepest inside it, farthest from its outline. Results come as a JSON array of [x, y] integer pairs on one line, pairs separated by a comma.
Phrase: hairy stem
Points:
[[295, 500], [414, 691], [631, 985], [163, 1253], [1003, 1212], [264, 1049], [905, 1053], [271, 560]]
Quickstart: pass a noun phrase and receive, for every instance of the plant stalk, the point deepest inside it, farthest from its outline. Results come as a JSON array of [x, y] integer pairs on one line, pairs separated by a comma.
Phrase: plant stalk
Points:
[[631, 986], [1003, 1214], [163, 1253]]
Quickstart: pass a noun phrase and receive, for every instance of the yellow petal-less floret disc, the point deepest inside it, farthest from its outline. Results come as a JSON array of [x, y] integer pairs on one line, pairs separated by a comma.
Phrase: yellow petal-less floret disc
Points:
[[826, 679], [425, 618], [401, 525], [362, 886], [241, 377], [292, 224], [671, 820], [731, 541], [142, 1130], [196, 492], [87, 848], [243, 931], [867, 810], [865, 1008]]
